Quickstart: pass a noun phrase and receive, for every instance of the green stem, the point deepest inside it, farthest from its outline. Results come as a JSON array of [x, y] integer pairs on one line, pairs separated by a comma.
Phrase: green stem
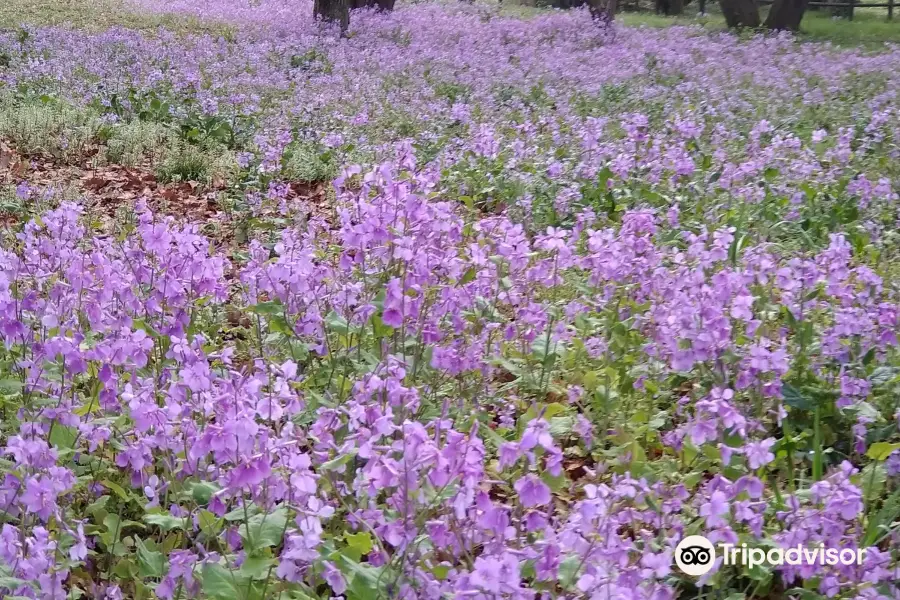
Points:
[[817, 442]]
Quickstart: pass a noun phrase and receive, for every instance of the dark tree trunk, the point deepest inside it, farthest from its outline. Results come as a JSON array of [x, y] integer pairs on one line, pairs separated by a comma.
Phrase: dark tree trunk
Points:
[[603, 11], [786, 14], [386, 5], [670, 7], [333, 11], [740, 13]]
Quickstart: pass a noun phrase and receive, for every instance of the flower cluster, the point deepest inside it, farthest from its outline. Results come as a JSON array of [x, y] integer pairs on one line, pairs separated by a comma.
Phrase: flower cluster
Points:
[[564, 317]]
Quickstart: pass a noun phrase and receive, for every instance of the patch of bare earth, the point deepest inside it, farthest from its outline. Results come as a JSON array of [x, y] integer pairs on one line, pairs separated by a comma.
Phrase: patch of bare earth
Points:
[[105, 191]]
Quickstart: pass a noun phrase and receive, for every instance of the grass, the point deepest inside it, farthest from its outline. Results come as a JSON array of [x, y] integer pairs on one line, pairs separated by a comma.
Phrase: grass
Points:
[[869, 27], [98, 15], [68, 132]]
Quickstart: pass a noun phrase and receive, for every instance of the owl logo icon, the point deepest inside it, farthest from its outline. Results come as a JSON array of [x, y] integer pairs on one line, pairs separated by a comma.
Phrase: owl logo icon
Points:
[[695, 555]]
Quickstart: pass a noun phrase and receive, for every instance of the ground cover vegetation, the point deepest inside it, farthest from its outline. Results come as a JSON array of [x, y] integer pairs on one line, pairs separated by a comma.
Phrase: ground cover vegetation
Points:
[[455, 304]]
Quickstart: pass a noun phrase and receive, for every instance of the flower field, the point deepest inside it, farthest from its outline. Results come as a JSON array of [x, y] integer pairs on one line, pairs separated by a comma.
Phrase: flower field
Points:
[[460, 305]]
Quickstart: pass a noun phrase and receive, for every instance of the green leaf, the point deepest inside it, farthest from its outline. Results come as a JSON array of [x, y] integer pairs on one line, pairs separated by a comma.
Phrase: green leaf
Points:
[[272, 307], [256, 567], [337, 323], [8, 387], [363, 581], [795, 398], [802, 594], [336, 463], [63, 437], [164, 521], [279, 324], [361, 542], [880, 523], [239, 513], [468, 276], [203, 491], [441, 571], [882, 375], [555, 482], [12, 583], [568, 571], [881, 450], [210, 524], [98, 506], [118, 489], [561, 426], [151, 563], [264, 530], [148, 329], [113, 525], [219, 582]]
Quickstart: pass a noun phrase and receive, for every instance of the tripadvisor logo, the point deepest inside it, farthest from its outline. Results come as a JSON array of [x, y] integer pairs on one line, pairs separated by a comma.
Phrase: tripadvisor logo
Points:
[[695, 555]]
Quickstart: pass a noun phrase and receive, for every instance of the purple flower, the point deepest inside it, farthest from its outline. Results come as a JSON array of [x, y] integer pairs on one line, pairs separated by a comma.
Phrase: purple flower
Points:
[[532, 491], [496, 574], [40, 496], [335, 579], [715, 509], [657, 565], [757, 453]]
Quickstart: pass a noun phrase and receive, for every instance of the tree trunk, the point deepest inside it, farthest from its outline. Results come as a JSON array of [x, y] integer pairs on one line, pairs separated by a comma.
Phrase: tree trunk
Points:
[[740, 13], [670, 7], [603, 11], [386, 5], [333, 11], [786, 14]]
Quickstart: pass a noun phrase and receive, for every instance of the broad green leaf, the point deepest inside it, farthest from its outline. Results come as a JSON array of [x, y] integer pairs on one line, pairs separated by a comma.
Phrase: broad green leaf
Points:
[[164, 521], [882, 375], [151, 563], [881, 450], [279, 324], [63, 437], [795, 398], [12, 583], [561, 426], [361, 542], [272, 307], [256, 567], [568, 570], [219, 582], [113, 525], [209, 523], [337, 323], [363, 581], [202, 492], [264, 530]]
